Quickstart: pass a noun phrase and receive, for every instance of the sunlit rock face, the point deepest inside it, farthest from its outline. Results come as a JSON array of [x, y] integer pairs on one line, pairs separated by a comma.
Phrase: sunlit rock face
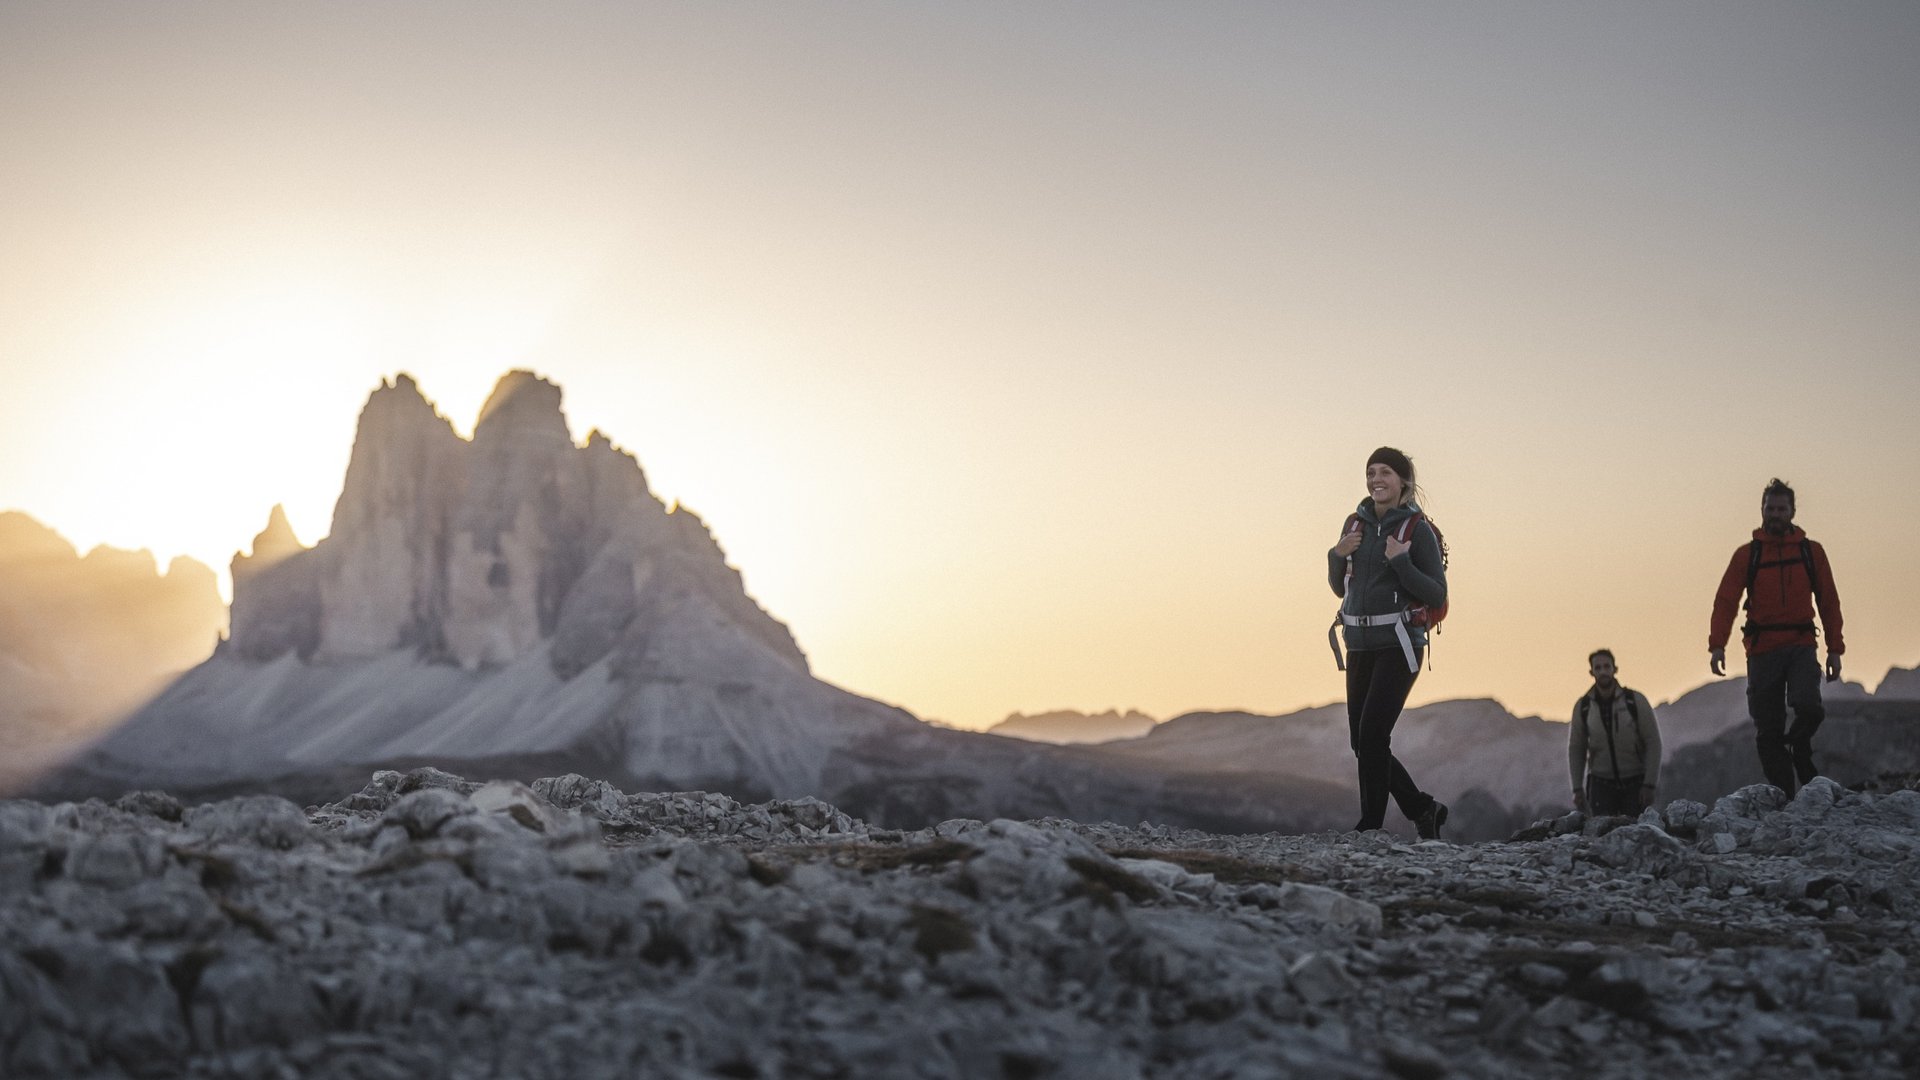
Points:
[[72, 615], [518, 534], [84, 638], [517, 602], [510, 595], [381, 578], [276, 605], [476, 552]]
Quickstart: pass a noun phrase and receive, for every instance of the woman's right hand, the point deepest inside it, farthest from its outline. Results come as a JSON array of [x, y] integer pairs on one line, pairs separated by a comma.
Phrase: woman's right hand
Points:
[[1348, 544]]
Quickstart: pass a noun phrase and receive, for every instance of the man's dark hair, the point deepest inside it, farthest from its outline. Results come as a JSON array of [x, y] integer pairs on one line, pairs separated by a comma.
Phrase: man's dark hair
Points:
[[1777, 486], [1608, 653]]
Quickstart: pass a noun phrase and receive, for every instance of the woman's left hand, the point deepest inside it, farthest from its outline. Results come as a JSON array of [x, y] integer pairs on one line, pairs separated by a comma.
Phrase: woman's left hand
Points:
[[1397, 547]]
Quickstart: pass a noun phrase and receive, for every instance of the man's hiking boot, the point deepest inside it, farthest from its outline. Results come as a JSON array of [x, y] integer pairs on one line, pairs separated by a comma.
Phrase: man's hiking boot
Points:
[[1429, 822]]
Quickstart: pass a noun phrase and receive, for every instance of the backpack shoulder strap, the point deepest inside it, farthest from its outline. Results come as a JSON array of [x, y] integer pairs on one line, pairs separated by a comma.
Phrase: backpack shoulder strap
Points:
[[1439, 539], [1633, 711], [1806, 559]]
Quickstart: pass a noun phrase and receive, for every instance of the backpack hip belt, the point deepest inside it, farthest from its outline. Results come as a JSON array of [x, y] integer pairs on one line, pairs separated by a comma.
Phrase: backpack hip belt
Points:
[[1397, 619], [1754, 629]]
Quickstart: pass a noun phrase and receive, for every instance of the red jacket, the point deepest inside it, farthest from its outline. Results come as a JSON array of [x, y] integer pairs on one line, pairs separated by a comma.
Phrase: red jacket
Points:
[[1781, 597]]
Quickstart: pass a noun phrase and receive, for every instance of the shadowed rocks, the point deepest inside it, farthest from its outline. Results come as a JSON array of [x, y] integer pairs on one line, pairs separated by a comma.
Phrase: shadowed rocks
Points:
[[430, 925]]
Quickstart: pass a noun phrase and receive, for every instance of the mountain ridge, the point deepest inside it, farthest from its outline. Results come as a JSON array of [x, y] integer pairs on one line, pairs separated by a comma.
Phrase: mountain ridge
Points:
[[1072, 726], [517, 599], [84, 638]]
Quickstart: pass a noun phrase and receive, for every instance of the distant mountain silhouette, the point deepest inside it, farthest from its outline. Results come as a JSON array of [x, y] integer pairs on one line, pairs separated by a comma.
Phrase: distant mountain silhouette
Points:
[[1064, 726], [1862, 740], [1899, 684], [1498, 771], [83, 639]]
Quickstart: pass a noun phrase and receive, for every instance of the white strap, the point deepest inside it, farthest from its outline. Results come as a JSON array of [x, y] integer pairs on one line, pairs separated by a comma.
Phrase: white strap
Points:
[[1398, 620]]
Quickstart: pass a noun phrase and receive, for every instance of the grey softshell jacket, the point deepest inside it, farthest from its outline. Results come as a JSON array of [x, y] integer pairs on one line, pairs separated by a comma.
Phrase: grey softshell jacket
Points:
[[1382, 586]]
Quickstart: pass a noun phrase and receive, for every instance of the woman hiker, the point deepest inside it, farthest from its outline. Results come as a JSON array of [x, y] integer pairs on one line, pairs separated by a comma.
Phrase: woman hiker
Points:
[[1388, 560]]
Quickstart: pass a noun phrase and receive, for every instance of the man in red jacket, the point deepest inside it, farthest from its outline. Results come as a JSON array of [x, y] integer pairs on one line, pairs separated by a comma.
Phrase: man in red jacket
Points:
[[1784, 575]]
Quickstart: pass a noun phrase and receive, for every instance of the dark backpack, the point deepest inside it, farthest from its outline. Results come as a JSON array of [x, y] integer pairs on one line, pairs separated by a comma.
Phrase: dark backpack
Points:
[[1754, 566]]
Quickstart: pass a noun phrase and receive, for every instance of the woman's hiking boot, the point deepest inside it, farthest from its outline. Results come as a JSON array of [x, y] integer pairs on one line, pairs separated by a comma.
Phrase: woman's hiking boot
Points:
[[1429, 822]]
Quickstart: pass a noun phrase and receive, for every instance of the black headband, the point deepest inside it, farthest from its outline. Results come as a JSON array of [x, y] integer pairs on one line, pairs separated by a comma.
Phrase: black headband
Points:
[[1395, 460]]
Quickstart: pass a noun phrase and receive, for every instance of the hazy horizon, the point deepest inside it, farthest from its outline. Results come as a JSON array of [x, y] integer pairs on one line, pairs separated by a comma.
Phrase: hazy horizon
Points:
[[1021, 358], [142, 572]]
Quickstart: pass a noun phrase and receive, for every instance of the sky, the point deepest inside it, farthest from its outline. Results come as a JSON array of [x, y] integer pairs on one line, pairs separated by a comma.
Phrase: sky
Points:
[[1022, 356]]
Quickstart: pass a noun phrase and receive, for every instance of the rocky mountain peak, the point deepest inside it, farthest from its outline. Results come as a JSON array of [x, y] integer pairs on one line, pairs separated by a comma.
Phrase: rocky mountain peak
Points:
[[1900, 683], [402, 448], [277, 541], [396, 404], [23, 540], [274, 605], [526, 405], [83, 639], [478, 552]]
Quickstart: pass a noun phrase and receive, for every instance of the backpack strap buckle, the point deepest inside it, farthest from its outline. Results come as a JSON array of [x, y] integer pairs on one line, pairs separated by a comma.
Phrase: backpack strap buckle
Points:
[[1398, 619]]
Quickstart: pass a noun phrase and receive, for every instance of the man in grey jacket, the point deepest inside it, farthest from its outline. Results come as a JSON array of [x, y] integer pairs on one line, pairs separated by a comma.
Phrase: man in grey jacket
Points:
[[1613, 743]]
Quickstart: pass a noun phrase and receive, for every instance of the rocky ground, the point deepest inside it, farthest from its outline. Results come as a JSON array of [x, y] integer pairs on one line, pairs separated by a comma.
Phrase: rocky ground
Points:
[[433, 927]]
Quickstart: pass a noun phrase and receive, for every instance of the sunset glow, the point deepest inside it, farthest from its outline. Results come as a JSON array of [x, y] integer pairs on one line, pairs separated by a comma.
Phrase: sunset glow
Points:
[[1021, 358]]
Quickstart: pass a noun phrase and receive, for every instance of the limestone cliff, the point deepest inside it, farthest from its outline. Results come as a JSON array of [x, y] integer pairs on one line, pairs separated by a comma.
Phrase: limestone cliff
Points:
[[512, 593], [516, 602], [480, 552], [275, 606], [380, 577]]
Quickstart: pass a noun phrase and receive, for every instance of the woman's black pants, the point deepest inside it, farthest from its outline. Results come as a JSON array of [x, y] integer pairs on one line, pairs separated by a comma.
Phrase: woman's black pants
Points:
[[1377, 686]]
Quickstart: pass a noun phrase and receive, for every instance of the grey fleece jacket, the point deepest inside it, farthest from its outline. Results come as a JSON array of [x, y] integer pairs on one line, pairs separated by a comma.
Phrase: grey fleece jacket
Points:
[[1382, 586], [1635, 746]]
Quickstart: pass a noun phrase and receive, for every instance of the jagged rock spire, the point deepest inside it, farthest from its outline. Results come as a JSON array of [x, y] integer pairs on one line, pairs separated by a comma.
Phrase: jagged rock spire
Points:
[[277, 541], [476, 551], [523, 400]]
